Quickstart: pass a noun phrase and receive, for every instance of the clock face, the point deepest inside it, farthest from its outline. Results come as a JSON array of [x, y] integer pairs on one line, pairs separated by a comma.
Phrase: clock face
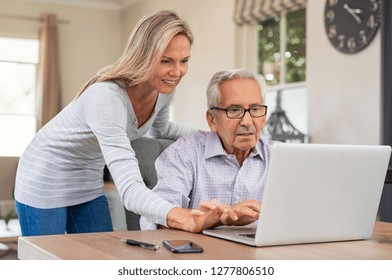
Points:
[[352, 24]]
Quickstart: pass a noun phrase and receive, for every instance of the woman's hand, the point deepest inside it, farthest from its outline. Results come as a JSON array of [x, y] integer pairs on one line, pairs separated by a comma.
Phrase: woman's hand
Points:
[[196, 220]]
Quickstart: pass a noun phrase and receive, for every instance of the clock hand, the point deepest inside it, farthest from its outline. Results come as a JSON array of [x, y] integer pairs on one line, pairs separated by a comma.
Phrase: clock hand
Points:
[[353, 12]]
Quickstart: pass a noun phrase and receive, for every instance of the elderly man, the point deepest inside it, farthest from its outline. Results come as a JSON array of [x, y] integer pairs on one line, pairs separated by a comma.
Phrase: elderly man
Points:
[[227, 165]]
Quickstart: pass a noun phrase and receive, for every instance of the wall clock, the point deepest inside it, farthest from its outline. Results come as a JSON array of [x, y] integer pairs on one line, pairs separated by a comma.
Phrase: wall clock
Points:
[[352, 24]]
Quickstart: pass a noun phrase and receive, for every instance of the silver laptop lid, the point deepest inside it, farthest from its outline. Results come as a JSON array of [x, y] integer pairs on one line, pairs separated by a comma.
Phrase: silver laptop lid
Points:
[[320, 192]]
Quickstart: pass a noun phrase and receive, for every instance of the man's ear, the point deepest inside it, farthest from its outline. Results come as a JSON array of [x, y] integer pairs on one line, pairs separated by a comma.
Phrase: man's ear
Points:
[[211, 121]]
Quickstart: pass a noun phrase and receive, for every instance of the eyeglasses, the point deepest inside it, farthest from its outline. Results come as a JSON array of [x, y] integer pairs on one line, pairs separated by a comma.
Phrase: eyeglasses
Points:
[[237, 112]]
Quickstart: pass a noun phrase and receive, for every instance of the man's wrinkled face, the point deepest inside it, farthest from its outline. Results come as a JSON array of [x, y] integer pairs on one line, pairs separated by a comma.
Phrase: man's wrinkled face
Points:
[[238, 135]]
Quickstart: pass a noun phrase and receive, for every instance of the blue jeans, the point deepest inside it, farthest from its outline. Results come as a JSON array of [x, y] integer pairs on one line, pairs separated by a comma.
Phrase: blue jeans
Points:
[[92, 216]]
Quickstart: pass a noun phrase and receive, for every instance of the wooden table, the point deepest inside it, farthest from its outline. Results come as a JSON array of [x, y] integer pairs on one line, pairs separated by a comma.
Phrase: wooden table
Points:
[[98, 246]]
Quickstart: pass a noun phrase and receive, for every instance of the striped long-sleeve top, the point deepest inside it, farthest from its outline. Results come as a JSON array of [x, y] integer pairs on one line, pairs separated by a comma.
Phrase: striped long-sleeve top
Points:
[[63, 165]]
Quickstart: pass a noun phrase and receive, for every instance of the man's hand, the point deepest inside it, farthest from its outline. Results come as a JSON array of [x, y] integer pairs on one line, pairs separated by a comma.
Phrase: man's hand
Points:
[[213, 213], [247, 212]]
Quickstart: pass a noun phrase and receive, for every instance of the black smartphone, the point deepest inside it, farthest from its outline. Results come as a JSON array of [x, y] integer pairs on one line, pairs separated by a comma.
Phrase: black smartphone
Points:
[[182, 246]]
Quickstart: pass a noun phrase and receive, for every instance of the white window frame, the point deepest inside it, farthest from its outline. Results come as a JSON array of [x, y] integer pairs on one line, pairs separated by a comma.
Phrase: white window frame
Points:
[[247, 57]]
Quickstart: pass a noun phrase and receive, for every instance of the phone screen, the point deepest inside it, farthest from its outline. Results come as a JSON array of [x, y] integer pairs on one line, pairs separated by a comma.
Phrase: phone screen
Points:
[[182, 246]]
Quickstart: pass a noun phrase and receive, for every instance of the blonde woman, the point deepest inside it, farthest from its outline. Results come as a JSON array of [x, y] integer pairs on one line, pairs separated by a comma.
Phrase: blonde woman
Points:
[[59, 183]]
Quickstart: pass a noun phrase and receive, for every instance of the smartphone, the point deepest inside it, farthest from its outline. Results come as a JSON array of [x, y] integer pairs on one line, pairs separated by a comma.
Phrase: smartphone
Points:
[[182, 246]]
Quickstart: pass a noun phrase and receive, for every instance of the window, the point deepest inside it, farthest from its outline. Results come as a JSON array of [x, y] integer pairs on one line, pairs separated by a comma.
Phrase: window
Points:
[[282, 61], [18, 60]]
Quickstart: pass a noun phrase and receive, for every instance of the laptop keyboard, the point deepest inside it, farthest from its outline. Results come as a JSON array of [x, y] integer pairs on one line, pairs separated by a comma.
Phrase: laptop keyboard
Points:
[[249, 235]]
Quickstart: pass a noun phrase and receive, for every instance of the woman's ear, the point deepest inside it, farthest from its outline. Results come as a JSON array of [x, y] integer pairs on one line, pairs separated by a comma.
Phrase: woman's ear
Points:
[[211, 121]]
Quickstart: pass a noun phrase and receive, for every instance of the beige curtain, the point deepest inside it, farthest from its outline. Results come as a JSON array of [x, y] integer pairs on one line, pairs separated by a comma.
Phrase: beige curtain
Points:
[[48, 71], [253, 11]]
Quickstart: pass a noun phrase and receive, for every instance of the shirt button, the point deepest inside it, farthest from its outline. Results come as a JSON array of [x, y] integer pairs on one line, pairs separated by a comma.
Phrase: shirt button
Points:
[[237, 197]]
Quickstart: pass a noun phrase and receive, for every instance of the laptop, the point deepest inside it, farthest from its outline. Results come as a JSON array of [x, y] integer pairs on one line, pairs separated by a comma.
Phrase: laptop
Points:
[[316, 193]]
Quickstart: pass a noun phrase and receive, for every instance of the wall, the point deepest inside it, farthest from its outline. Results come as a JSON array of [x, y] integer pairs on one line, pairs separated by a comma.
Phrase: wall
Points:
[[344, 90], [89, 41], [8, 167]]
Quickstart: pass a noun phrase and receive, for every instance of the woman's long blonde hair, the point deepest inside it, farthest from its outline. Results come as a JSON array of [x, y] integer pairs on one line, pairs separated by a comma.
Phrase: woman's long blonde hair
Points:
[[147, 43]]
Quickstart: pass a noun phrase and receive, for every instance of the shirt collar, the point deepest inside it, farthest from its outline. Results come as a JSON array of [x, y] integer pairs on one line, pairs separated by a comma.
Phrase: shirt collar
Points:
[[215, 148]]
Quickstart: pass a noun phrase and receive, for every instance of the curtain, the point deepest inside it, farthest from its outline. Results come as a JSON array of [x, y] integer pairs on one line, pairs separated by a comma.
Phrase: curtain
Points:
[[48, 71], [253, 11]]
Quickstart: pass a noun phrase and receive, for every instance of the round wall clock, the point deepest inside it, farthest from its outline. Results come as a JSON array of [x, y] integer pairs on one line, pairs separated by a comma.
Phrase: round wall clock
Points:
[[352, 24]]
